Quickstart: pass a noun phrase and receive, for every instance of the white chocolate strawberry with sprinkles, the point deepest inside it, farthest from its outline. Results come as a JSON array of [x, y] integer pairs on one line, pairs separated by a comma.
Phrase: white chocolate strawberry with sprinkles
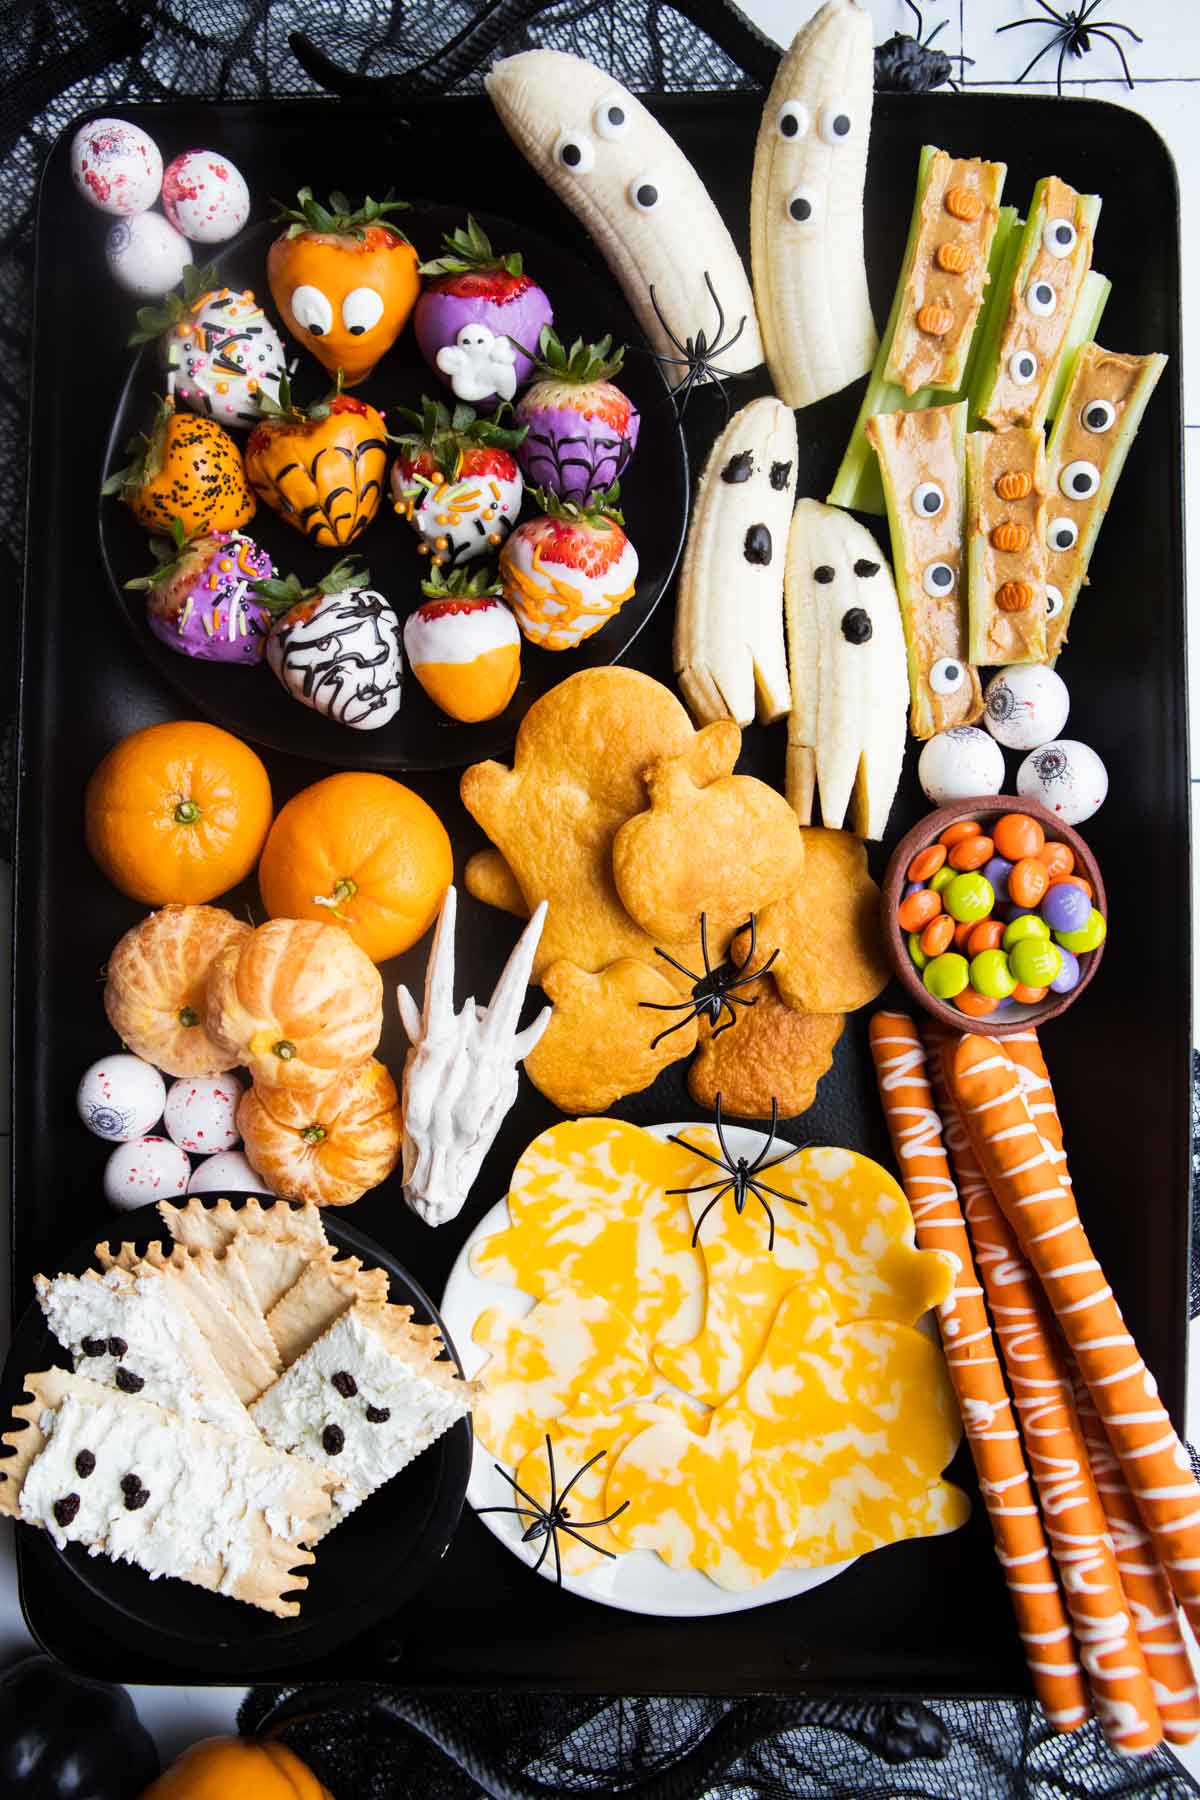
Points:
[[456, 481], [220, 349], [566, 573], [463, 646]]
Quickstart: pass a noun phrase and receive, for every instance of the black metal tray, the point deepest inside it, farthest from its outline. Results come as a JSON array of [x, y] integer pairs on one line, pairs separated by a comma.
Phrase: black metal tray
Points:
[[924, 1617]]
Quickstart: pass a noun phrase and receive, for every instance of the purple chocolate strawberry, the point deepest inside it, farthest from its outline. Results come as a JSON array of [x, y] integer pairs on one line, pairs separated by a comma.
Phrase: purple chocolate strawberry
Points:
[[198, 600], [474, 315], [582, 429]]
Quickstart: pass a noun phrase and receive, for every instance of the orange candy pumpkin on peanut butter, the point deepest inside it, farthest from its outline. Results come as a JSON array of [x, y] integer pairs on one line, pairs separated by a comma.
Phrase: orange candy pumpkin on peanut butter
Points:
[[344, 280]]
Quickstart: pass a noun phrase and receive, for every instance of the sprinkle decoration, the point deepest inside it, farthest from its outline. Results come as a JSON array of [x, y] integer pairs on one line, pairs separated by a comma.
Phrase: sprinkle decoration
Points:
[[547, 1521]]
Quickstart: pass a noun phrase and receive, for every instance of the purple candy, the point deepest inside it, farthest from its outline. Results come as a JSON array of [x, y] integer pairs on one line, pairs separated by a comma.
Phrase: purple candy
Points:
[[911, 887], [998, 871], [580, 437], [510, 306], [1065, 908], [1068, 976]]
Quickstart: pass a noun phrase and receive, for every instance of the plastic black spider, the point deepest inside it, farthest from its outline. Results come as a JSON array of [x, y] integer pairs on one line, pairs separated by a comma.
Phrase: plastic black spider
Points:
[[713, 992], [907, 65], [697, 355], [548, 1521], [743, 1175], [1074, 33]]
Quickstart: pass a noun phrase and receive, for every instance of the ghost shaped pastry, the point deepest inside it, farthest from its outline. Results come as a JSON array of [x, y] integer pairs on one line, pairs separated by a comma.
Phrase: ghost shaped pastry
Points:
[[479, 364], [340, 654]]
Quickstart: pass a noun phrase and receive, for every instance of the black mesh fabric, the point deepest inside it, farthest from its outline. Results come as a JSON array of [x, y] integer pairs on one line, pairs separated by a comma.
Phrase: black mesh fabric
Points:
[[58, 57]]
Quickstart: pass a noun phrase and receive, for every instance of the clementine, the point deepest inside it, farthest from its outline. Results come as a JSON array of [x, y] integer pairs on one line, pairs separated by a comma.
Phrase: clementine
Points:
[[362, 851], [178, 812]]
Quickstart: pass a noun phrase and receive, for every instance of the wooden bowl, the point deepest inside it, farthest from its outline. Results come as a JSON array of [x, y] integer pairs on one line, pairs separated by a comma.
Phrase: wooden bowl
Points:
[[1014, 1017]]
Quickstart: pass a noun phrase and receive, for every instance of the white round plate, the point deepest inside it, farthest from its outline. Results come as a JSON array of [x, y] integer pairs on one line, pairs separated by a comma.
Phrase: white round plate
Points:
[[638, 1581]]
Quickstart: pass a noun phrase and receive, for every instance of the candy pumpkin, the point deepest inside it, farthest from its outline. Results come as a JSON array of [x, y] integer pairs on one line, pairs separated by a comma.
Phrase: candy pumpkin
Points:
[[364, 852], [235, 1768], [344, 282], [297, 1003], [320, 467], [178, 812], [184, 468], [155, 989], [330, 1149]]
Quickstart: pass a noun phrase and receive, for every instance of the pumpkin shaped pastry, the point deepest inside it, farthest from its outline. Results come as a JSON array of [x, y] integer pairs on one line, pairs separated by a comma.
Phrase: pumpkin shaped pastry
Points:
[[155, 991], [296, 1002], [329, 1149]]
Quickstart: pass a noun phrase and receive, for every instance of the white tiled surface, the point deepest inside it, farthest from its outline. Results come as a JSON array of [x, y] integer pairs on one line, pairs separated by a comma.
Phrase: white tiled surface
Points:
[[1167, 69]]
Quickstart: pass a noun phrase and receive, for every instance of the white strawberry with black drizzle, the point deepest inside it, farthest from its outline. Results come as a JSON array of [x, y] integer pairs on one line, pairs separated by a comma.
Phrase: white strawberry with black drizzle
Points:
[[336, 647]]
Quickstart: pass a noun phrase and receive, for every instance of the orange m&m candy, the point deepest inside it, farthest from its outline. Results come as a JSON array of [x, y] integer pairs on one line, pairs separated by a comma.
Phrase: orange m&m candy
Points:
[[1058, 858], [927, 862], [1029, 996], [987, 935], [915, 913], [971, 853], [962, 934], [937, 935], [962, 828], [1016, 835], [975, 1004], [1027, 881]]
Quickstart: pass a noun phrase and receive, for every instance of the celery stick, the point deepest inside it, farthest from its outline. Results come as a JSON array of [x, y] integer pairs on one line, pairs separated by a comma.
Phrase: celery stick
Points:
[[1085, 322]]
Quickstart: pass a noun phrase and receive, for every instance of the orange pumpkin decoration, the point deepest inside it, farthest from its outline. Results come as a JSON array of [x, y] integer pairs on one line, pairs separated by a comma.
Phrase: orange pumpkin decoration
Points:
[[297, 1003], [361, 851], [185, 468], [235, 1768], [345, 282], [178, 812], [322, 467], [330, 1149], [156, 986]]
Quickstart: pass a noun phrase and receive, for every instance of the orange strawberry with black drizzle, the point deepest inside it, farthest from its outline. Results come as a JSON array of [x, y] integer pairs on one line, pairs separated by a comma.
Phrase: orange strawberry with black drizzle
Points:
[[184, 468], [319, 467]]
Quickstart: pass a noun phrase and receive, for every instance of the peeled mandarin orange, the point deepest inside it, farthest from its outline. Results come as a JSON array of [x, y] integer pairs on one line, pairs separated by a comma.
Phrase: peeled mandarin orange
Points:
[[178, 813], [361, 851]]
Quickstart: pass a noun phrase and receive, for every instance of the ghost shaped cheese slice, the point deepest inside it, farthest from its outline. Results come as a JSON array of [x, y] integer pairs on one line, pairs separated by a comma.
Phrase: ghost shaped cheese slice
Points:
[[466, 654]]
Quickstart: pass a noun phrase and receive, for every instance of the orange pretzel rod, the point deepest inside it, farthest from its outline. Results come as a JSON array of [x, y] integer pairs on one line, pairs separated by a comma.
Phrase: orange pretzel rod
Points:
[[975, 1372], [1027, 1174]]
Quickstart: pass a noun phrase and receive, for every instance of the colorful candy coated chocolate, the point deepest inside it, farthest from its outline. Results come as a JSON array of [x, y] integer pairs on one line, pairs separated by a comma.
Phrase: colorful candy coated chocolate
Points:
[[987, 935], [466, 654], [1035, 961], [991, 975], [1025, 925], [971, 853], [943, 878], [969, 897], [915, 951], [1068, 976], [1066, 907], [945, 976], [997, 870], [927, 862], [938, 935], [1028, 881], [1090, 937], [1017, 835], [915, 912]]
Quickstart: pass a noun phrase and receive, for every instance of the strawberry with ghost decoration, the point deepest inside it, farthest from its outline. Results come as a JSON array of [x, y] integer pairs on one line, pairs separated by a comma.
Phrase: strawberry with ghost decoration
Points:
[[456, 481], [477, 311]]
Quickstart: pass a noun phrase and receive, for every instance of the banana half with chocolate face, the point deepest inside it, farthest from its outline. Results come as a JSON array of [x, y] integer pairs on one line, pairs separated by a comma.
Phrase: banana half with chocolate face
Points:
[[849, 688], [921, 461]]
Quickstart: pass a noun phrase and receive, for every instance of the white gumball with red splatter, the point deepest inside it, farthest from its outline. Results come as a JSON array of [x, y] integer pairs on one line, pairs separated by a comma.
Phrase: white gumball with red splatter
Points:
[[201, 1113], [229, 1172], [116, 166], [205, 196], [146, 255], [145, 1170], [121, 1097]]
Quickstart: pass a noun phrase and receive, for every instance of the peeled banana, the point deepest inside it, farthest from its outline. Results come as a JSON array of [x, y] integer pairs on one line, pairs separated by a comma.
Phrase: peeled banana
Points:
[[806, 208], [637, 194], [729, 651]]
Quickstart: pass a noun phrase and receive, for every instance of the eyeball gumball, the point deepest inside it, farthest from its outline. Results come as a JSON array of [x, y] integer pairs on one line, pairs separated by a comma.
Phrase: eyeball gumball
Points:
[[228, 1172], [146, 255], [121, 1097], [1067, 777], [959, 763], [205, 197], [201, 1113], [116, 166], [144, 1170], [1025, 706]]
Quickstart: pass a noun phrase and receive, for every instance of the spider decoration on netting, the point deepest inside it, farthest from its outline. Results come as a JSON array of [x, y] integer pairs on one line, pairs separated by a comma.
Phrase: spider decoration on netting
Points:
[[714, 992], [697, 355], [1073, 36], [908, 65], [742, 1175], [547, 1521]]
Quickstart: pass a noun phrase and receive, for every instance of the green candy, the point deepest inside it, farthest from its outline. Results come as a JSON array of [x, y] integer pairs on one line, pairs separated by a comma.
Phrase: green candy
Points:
[[943, 878], [1029, 925], [968, 898], [991, 975], [1035, 961], [915, 950], [946, 975], [1088, 937]]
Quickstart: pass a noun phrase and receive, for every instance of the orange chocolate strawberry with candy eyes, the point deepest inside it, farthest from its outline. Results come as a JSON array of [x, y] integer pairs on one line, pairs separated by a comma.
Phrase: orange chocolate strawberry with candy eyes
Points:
[[344, 281], [320, 467], [185, 468]]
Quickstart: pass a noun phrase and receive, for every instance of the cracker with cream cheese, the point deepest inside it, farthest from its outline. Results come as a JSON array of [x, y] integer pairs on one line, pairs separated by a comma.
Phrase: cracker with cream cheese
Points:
[[238, 1355]]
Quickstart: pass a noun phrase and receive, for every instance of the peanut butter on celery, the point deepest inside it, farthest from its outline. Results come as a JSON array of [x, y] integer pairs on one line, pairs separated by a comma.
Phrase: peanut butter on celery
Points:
[[1006, 550], [1043, 298]]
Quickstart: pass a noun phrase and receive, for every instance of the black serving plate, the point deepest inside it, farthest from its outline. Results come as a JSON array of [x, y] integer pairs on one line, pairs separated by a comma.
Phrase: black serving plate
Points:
[[929, 1617], [364, 1570], [249, 701]]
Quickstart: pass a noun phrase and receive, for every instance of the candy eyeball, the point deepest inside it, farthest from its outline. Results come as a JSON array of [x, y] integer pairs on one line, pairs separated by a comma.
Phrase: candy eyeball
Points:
[[575, 152], [229, 1172], [947, 675], [835, 123], [201, 1113], [1059, 237], [644, 194], [116, 166], [121, 1097], [147, 256], [960, 763], [205, 197], [938, 579], [610, 120], [361, 310], [793, 120], [1054, 600], [145, 1170], [311, 310], [1042, 299], [1067, 777], [928, 500], [1062, 534], [1098, 416], [1022, 368], [802, 205], [1079, 480], [1026, 705]]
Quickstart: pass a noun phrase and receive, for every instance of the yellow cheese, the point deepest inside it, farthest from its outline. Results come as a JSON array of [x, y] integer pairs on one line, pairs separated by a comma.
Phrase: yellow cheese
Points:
[[591, 1210]]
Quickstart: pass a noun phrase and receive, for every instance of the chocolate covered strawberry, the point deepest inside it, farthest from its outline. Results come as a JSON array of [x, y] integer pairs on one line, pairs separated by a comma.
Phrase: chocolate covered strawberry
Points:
[[477, 309], [200, 599], [567, 572], [456, 481], [582, 430], [184, 468]]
